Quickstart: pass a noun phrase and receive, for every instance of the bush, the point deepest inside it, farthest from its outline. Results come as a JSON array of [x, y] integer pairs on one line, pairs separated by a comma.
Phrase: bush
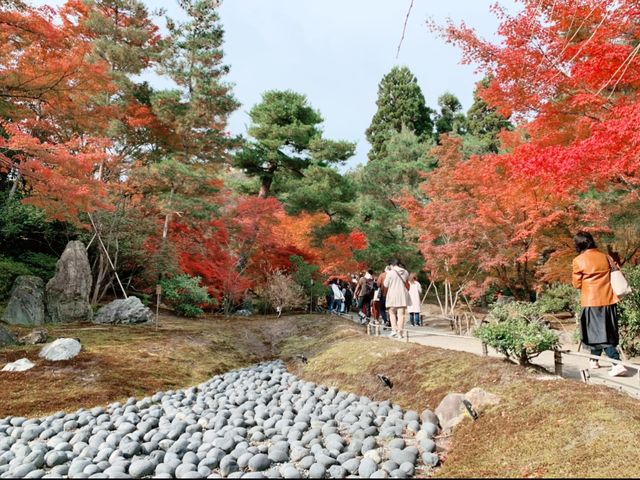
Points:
[[629, 314], [9, 270], [185, 295], [282, 292], [517, 331], [559, 298]]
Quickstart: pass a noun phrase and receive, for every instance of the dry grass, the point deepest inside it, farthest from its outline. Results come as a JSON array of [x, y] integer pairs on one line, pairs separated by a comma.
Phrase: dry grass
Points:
[[541, 428]]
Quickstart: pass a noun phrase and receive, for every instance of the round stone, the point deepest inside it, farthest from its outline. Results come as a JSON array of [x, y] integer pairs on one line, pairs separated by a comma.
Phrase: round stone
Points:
[[141, 468], [317, 470], [367, 467], [259, 462]]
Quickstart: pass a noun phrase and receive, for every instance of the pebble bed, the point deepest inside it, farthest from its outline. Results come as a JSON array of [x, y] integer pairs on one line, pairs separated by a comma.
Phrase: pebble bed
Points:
[[258, 422]]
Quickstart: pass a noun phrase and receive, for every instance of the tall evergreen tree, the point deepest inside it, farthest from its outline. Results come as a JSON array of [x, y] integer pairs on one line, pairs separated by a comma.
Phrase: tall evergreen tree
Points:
[[400, 103], [288, 139], [380, 214], [450, 118], [198, 111], [484, 122]]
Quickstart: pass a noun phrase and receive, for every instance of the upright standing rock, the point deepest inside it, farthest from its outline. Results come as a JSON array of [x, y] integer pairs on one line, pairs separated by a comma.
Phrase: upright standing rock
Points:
[[67, 293], [26, 305], [6, 337]]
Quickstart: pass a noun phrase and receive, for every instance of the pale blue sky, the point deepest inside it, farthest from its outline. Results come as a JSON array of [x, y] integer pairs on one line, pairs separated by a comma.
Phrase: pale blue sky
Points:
[[336, 52]]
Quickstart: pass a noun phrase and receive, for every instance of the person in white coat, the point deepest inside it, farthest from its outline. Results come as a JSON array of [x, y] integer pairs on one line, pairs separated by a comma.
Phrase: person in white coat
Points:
[[415, 292], [397, 297], [338, 297]]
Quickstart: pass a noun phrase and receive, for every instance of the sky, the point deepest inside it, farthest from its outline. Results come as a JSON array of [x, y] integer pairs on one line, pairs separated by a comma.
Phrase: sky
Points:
[[337, 51]]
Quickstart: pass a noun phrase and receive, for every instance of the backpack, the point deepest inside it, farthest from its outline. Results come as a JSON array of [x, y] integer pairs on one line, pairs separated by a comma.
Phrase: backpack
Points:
[[367, 289]]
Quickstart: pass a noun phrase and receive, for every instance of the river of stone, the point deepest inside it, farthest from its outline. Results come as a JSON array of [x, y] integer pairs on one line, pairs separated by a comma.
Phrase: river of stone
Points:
[[257, 422]]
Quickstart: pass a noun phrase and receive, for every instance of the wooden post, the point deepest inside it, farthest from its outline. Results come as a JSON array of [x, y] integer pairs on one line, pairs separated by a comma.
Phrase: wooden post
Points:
[[158, 294], [406, 336], [557, 360], [377, 330], [368, 329], [485, 350]]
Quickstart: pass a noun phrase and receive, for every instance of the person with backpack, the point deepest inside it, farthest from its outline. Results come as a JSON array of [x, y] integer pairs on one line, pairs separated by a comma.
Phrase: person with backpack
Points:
[[397, 297], [364, 293], [382, 294]]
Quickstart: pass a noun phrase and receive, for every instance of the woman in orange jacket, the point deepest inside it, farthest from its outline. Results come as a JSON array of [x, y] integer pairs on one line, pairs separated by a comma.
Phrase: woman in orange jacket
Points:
[[598, 319]]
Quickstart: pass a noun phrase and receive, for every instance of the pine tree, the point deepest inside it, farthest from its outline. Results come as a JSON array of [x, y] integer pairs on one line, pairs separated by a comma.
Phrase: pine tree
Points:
[[400, 103], [484, 122], [450, 118], [288, 139]]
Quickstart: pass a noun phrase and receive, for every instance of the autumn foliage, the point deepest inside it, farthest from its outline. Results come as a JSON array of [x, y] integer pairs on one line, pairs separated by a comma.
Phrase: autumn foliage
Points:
[[568, 72]]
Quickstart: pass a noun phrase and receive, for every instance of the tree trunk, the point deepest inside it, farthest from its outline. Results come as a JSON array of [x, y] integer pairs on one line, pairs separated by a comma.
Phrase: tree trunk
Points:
[[265, 186]]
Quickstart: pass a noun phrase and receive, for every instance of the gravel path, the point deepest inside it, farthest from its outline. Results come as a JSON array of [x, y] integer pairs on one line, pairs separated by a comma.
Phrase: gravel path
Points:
[[258, 422]]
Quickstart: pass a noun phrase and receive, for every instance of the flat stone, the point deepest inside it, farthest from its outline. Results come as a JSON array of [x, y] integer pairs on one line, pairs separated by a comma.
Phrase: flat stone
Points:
[[21, 365], [61, 349]]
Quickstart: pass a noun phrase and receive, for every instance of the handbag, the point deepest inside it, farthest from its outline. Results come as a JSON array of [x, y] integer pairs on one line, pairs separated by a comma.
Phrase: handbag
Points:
[[619, 284]]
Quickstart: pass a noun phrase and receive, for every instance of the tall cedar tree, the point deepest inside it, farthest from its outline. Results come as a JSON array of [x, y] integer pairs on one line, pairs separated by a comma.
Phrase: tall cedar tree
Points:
[[288, 139], [181, 186], [380, 214], [400, 103], [484, 122]]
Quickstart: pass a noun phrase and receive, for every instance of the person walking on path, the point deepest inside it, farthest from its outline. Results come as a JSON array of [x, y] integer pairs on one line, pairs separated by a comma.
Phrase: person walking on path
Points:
[[397, 297], [382, 294], [338, 297], [364, 293], [599, 316], [415, 292]]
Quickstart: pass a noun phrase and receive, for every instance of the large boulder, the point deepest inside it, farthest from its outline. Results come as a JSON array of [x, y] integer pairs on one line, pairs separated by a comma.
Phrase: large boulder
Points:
[[67, 293], [26, 305], [6, 337], [61, 349], [481, 399], [127, 311], [451, 411]]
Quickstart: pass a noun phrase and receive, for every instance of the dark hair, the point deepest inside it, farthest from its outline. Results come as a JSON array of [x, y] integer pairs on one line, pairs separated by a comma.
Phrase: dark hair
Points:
[[395, 262], [370, 272], [583, 241]]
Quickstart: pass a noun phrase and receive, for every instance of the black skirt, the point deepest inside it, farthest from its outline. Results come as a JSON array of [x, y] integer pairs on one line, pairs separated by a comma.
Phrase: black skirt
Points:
[[599, 326]]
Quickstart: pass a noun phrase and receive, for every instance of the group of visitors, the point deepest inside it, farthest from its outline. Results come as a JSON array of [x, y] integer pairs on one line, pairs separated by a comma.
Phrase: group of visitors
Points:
[[387, 298]]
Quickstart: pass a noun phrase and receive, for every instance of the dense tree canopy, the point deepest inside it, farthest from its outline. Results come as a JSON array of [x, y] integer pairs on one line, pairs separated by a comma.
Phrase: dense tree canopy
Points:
[[400, 104]]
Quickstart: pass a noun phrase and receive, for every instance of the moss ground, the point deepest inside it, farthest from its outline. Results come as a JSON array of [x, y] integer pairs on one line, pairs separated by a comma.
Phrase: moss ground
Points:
[[552, 428]]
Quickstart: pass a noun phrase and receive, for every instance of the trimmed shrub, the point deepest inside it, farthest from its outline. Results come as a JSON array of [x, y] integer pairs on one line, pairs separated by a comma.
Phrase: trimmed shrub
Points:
[[559, 298], [185, 295], [629, 314], [517, 331]]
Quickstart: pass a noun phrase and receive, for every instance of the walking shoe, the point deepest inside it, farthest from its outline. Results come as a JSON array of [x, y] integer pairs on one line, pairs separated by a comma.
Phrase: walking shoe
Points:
[[593, 364], [617, 371]]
